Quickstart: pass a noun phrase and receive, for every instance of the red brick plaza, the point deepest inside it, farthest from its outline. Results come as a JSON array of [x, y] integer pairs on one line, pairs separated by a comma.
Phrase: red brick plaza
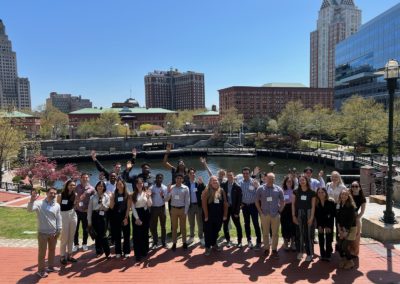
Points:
[[377, 264]]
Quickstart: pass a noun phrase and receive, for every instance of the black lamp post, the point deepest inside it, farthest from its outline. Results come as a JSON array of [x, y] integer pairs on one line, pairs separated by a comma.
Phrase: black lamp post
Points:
[[391, 73], [272, 165]]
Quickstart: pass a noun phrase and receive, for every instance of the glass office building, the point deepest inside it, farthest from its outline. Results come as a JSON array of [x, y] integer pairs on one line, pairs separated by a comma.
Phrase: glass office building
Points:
[[359, 56]]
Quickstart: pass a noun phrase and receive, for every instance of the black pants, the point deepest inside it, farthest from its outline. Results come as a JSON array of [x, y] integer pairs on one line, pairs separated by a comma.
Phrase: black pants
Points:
[[303, 232], [288, 227], [140, 233], [99, 224], [236, 221], [211, 231], [251, 211], [82, 217], [117, 227], [325, 243], [155, 214]]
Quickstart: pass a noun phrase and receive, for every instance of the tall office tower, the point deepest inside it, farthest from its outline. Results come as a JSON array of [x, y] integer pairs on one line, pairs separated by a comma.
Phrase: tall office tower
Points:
[[337, 20], [14, 91], [174, 90]]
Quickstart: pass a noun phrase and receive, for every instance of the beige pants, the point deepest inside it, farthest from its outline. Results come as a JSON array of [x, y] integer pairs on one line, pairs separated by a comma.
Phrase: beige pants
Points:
[[268, 222], [69, 220], [45, 240], [178, 214]]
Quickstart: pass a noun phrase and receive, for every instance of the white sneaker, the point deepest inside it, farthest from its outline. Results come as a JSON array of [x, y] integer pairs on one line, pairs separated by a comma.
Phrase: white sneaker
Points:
[[299, 256], [75, 248], [117, 256], [190, 240], [309, 258], [202, 242], [85, 248]]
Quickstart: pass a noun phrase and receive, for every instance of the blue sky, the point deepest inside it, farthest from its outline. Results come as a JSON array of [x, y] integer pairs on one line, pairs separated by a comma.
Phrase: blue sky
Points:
[[102, 49]]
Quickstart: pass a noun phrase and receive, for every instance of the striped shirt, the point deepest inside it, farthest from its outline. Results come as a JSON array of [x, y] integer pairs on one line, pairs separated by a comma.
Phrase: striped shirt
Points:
[[248, 191]]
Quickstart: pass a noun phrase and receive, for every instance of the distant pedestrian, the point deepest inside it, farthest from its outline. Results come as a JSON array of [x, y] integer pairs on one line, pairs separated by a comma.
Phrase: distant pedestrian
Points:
[[67, 200], [49, 228]]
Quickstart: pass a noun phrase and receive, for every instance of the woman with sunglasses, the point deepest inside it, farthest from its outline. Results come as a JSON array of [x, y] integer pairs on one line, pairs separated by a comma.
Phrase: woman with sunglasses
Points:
[[360, 201], [120, 203], [97, 218]]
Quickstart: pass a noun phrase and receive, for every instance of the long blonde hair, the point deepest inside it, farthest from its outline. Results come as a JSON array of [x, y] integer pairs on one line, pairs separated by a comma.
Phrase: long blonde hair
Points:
[[212, 193], [340, 177]]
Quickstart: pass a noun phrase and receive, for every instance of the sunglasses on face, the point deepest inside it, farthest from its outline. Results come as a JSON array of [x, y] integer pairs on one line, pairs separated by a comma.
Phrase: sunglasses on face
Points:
[[355, 186]]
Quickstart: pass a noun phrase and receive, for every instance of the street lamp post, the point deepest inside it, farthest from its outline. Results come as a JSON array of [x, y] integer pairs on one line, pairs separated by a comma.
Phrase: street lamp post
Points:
[[391, 73], [272, 165]]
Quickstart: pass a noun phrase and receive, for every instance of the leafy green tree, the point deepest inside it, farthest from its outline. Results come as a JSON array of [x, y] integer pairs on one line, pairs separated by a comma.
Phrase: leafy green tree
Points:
[[363, 121], [172, 122], [87, 129], [53, 123], [320, 122], [109, 124], [272, 126], [292, 121], [258, 124], [231, 121], [11, 139]]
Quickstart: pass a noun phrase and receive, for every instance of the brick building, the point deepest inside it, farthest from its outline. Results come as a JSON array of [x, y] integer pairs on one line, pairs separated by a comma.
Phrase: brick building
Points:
[[67, 102], [270, 99], [207, 120], [28, 123]]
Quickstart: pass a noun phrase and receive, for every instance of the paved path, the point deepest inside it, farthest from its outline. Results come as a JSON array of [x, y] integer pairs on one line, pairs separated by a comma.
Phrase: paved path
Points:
[[377, 264]]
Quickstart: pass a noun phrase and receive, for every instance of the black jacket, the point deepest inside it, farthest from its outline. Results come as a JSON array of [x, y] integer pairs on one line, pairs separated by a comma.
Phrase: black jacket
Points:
[[200, 187], [236, 196], [346, 217], [325, 215]]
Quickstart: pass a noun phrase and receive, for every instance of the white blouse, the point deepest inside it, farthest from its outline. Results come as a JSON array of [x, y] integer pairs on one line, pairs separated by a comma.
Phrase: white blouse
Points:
[[334, 192], [142, 202]]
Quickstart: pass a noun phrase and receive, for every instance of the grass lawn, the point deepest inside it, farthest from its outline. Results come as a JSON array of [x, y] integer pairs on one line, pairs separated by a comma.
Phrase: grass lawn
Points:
[[15, 221], [315, 144]]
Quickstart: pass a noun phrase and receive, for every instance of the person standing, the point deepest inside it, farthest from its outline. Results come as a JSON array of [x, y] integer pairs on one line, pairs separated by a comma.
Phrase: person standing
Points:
[[49, 227], [270, 202], [288, 227], [336, 186], [325, 212], [180, 202], [359, 199], [83, 193], [346, 221], [249, 208], [99, 204], [141, 202], [303, 210], [120, 203], [215, 210], [195, 209], [67, 200], [233, 193], [158, 211]]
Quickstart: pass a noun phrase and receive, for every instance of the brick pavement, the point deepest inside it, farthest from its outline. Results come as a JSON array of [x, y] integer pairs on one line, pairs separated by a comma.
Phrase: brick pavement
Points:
[[377, 264]]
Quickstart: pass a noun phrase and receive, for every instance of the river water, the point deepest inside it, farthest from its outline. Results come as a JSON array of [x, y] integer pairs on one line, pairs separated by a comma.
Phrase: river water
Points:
[[215, 163]]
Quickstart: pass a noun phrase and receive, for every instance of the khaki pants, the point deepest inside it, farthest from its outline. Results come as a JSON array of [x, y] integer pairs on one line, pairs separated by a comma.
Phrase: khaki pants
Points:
[[69, 221], [268, 222], [178, 214], [43, 241]]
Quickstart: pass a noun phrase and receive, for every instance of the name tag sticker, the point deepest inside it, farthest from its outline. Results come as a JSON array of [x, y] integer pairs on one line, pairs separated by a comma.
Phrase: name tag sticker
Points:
[[146, 184], [216, 200], [286, 197], [120, 199], [251, 187], [176, 197], [269, 198], [101, 213], [64, 201], [303, 197], [337, 206], [195, 189], [81, 204]]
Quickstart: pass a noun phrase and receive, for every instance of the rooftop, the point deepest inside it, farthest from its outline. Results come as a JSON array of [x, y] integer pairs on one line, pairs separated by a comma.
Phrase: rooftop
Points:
[[136, 110], [15, 114], [209, 112], [284, 85]]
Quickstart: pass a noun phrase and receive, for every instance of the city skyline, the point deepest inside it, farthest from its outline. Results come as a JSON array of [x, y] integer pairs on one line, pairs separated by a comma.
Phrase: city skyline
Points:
[[102, 52]]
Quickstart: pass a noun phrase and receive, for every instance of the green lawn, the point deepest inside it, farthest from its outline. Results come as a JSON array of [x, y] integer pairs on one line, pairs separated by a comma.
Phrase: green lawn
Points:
[[316, 144], [15, 221]]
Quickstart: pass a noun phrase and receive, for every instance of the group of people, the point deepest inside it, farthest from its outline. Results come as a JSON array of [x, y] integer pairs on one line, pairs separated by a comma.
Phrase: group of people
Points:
[[300, 206]]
